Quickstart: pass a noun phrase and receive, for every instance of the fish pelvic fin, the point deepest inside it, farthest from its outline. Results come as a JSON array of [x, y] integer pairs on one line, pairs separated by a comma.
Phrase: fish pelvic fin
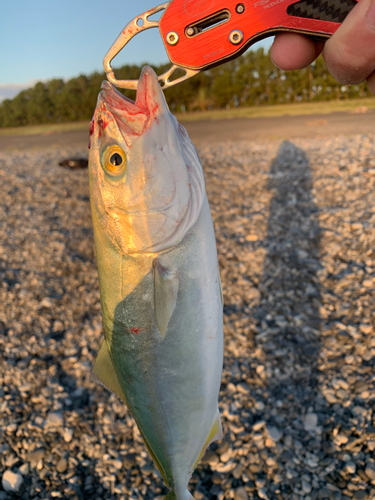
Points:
[[184, 495], [104, 372], [166, 285], [215, 434]]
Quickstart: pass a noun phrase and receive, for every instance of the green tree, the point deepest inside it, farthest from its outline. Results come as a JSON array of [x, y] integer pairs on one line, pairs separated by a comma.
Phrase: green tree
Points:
[[250, 80]]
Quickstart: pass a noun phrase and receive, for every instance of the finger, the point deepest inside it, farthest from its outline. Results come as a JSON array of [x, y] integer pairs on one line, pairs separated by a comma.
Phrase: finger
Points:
[[294, 51], [350, 53], [371, 82]]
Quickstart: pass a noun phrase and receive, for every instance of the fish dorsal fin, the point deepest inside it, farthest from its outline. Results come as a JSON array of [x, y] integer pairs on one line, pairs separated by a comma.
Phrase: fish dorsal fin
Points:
[[166, 286], [104, 372]]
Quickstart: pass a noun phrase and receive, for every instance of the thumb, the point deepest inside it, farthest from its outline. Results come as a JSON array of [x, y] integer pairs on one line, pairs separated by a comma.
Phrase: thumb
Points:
[[350, 52]]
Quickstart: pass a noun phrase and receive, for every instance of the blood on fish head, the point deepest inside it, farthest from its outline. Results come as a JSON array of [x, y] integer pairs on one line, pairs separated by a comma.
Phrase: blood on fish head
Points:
[[141, 163]]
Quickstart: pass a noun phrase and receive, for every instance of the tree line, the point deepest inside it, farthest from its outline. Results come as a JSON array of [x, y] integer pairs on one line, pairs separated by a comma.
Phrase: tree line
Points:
[[251, 80]]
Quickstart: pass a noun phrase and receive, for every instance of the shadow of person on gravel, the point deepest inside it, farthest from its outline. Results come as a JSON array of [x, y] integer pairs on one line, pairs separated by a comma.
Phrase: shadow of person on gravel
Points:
[[289, 311], [288, 315]]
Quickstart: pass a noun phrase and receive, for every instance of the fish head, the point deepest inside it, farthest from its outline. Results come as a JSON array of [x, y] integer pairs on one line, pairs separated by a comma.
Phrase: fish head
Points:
[[146, 180]]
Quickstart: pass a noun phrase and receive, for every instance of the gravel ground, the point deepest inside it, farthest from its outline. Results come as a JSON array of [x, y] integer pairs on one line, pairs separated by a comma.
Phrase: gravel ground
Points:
[[296, 241]]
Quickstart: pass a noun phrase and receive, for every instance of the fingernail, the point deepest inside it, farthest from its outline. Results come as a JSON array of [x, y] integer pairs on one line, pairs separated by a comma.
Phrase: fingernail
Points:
[[270, 55], [273, 62]]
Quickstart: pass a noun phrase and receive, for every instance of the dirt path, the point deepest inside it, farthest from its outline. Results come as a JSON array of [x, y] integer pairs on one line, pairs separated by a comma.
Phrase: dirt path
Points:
[[281, 127]]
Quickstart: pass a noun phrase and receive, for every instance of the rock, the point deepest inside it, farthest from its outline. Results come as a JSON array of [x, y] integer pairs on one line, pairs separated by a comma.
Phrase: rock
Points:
[[241, 494], [68, 435], [310, 422], [359, 411], [350, 467], [77, 163], [26, 387], [360, 495], [262, 493], [217, 478], [118, 465], [210, 457], [47, 303], [223, 447], [11, 481], [306, 487], [366, 329], [274, 433], [129, 460], [330, 396], [224, 457], [324, 493], [370, 472], [259, 425], [243, 388], [260, 483], [341, 439], [198, 495], [24, 469], [288, 440], [311, 462], [54, 420], [227, 467], [259, 405], [237, 472], [36, 455], [62, 465]]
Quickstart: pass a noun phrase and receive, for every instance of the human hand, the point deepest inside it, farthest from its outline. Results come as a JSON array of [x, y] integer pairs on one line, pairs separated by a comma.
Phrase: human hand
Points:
[[349, 53]]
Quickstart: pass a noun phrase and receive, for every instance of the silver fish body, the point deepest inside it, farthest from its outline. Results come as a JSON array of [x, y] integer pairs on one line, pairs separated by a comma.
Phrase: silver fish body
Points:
[[159, 280]]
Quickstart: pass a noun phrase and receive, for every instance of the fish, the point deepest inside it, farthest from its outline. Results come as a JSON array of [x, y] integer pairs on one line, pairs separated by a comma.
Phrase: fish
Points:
[[160, 289]]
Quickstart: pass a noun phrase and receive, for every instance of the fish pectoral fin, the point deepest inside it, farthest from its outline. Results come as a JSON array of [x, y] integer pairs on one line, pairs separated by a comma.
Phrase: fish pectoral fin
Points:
[[104, 372], [166, 286], [215, 434]]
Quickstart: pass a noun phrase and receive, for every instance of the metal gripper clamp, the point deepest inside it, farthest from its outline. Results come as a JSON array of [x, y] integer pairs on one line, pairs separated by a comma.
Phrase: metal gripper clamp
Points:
[[133, 28]]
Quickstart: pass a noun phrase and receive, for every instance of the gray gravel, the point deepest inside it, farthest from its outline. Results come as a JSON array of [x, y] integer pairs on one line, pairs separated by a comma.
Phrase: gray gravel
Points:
[[296, 239]]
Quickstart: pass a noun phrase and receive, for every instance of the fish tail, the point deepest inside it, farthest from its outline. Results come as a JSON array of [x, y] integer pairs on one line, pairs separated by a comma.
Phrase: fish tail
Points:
[[179, 495]]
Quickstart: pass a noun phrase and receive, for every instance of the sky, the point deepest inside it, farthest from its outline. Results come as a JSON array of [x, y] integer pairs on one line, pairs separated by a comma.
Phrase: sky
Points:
[[41, 40]]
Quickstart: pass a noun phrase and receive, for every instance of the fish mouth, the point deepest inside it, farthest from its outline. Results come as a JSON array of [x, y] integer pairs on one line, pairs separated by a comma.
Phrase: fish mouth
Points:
[[117, 101], [115, 107], [133, 117]]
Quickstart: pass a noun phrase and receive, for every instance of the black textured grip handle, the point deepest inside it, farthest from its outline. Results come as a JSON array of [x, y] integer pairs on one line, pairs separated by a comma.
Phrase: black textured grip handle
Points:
[[326, 10]]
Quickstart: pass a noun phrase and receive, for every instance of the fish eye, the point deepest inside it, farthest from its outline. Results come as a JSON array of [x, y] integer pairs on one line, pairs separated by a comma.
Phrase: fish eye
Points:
[[114, 160]]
